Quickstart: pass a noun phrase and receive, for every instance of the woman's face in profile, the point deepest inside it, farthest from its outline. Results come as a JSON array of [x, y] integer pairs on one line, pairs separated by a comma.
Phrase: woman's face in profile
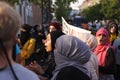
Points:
[[48, 45]]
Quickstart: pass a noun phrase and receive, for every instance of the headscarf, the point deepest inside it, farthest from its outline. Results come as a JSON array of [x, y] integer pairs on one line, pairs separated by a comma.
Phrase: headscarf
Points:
[[71, 51], [90, 40], [25, 35], [27, 27], [56, 25], [100, 50], [54, 35]]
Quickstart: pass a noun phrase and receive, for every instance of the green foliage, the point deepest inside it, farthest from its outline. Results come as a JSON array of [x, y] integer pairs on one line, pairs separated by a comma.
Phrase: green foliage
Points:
[[106, 9], [42, 2], [12, 2], [62, 8], [37, 2], [111, 9], [93, 13]]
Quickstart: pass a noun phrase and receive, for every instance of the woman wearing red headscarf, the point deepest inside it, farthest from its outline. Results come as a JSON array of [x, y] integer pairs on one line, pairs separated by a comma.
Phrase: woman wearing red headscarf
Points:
[[105, 55], [55, 26]]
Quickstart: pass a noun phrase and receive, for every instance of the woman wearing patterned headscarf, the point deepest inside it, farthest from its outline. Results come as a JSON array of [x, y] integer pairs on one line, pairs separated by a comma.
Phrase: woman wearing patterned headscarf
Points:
[[105, 55]]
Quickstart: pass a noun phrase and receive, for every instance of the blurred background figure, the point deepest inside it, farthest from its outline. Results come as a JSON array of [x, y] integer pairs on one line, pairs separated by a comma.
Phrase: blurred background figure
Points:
[[55, 26], [40, 54], [84, 24], [16, 53], [116, 44], [112, 28], [25, 33], [28, 44], [49, 64], [97, 24], [91, 41], [69, 21]]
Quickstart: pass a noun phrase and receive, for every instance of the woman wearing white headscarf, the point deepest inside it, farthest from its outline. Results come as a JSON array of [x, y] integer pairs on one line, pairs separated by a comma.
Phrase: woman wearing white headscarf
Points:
[[91, 41]]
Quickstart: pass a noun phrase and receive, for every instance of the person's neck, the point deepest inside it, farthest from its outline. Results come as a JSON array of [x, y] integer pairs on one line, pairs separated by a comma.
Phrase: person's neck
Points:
[[3, 63]]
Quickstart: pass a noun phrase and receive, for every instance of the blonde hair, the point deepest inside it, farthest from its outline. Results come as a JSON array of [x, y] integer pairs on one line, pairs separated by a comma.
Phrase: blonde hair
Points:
[[10, 22]]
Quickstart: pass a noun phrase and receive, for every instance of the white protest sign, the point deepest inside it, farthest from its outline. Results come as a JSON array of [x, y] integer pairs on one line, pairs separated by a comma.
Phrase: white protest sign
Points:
[[73, 30]]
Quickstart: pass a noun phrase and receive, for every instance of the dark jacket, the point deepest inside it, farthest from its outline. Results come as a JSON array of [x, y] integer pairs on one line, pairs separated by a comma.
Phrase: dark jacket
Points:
[[71, 73]]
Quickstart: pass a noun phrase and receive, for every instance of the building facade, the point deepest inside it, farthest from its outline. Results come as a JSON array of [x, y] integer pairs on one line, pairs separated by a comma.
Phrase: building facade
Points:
[[30, 13], [88, 3]]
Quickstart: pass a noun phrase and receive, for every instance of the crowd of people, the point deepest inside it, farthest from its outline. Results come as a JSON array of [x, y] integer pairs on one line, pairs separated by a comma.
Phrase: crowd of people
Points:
[[34, 55]]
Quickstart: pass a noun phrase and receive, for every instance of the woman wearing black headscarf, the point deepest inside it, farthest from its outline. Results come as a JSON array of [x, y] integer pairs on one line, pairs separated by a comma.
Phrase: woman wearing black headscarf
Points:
[[25, 33], [70, 55]]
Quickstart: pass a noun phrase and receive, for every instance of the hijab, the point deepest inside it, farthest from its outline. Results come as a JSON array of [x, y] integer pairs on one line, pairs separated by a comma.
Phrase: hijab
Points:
[[25, 35], [90, 40], [56, 25], [54, 35], [100, 50], [71, 51]]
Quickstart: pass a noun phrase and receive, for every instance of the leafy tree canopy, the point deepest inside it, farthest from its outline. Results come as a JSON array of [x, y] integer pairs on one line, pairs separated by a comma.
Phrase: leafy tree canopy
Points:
[[93, 13], [62, 8], [111, 9], [106, 9]]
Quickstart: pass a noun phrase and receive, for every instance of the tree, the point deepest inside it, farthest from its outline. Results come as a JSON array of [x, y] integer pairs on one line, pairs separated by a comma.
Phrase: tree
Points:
[[37, 2], [111, 9], [12, 2], [62, 8], [93, 13]]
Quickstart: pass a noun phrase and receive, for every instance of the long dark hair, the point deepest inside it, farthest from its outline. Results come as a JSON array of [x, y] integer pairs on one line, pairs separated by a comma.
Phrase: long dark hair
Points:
[[109, 25]]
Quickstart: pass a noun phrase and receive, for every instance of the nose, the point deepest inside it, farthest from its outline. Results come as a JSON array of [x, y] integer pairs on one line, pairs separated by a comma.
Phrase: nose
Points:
[[102, 35], [45, 43]]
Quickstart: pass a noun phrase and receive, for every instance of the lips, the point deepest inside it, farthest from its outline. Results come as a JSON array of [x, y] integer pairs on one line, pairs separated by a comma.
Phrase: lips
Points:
[[100, 40]]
